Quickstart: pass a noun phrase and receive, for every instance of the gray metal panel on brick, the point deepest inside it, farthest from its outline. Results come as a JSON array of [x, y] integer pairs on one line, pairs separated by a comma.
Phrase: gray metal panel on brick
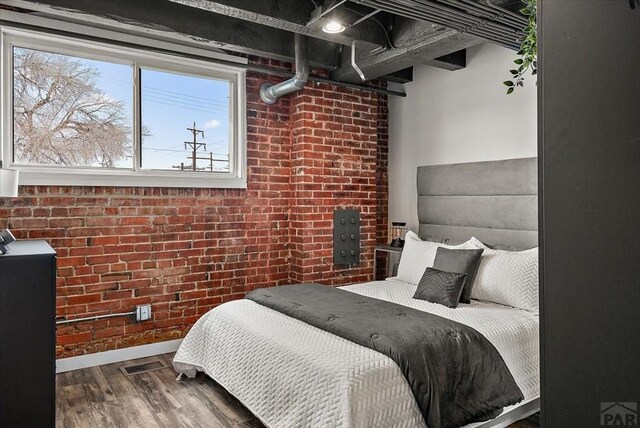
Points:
[[346, 237]]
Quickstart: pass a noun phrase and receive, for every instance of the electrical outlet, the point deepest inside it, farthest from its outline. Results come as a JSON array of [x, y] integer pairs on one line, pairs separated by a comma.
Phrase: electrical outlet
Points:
[[143, 312]]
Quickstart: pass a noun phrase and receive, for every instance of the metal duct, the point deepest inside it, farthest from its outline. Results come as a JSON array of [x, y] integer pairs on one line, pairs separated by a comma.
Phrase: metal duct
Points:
[[484, 20], [270, 93]]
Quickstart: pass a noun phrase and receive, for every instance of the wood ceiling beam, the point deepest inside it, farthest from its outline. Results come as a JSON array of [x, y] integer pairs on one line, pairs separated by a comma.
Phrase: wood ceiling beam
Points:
[[453, 61], [402, 76]]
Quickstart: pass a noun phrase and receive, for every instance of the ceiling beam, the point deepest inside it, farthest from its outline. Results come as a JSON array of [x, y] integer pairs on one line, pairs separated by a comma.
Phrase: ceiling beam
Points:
[[415, 42], [290, 15], [171, 21], [453, 61], [401, 76]]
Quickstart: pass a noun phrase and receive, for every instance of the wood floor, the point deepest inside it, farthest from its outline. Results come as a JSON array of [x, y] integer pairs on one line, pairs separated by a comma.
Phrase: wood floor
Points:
[[104, 397]]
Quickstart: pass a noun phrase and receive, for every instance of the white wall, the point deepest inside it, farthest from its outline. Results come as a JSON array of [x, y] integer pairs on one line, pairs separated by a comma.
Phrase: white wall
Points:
[[457, 116]]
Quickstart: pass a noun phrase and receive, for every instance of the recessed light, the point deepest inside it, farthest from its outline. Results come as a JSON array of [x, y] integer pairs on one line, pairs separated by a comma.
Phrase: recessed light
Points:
[[333, 27]]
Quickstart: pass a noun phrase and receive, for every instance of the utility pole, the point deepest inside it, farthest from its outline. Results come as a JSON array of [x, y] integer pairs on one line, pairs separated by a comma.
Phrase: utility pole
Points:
[[194, 145]]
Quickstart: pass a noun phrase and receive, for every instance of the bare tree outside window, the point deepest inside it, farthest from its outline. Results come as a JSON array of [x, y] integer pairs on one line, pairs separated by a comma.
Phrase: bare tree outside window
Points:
[[62, 115]]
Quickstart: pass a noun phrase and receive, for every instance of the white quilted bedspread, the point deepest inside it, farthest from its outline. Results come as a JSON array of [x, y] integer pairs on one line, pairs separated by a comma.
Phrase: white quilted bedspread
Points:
[[291, 374]]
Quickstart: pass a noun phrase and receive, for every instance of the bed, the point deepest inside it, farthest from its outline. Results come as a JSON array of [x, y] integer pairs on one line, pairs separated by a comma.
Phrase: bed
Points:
[[289, 373]]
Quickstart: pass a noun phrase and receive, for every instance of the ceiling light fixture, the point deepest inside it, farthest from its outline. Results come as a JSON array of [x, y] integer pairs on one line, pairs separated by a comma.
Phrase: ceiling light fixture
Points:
[[333, 27]]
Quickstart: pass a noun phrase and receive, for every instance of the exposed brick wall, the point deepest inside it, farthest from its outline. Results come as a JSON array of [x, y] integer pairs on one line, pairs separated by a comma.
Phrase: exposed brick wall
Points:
[[334, 163], [382, 173], [186, 251]]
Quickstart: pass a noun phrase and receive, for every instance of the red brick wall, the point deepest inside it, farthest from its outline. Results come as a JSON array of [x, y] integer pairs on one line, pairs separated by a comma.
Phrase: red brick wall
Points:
[[382, 174], [333, 163], [187, 250]]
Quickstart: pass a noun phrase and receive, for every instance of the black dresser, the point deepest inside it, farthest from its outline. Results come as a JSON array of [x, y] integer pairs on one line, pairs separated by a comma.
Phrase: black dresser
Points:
[[27, 335]]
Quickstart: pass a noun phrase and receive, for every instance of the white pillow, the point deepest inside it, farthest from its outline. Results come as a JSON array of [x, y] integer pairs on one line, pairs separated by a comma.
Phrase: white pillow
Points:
[[418, 255], [507, 277]]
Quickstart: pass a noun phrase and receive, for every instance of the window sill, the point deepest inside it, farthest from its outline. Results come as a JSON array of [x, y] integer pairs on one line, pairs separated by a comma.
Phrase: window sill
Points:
[[55, 177]]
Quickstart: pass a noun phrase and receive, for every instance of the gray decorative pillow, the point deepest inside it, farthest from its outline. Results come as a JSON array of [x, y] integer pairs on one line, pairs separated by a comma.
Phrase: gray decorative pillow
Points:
[[459, 261], [440, 287]]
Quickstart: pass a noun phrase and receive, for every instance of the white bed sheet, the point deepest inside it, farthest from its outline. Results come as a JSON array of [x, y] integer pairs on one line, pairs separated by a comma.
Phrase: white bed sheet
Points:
[[291, 374]]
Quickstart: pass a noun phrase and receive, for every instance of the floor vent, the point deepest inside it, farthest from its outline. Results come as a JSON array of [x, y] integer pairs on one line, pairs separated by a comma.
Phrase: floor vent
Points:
[[142, 368]]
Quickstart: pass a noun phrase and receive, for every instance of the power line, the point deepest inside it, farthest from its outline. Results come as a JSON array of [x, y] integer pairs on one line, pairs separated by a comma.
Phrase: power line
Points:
[[169, 92], [211, 160], [182, 106], [179, 151], [185, 104], [188, 97], [208, 109]]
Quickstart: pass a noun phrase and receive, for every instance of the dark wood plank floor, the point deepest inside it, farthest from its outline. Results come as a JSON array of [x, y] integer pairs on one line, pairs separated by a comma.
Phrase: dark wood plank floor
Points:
[[104, 397]]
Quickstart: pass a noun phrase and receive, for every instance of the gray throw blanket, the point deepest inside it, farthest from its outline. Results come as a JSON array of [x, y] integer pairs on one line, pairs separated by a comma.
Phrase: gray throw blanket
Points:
[[456, 375]]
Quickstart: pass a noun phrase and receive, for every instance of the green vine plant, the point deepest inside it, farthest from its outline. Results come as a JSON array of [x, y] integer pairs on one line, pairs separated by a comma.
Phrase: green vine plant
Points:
[[528, 53]]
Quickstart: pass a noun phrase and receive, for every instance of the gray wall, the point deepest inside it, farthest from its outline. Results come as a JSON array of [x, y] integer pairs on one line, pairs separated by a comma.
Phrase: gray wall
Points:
[[590, 207], [460, 116]]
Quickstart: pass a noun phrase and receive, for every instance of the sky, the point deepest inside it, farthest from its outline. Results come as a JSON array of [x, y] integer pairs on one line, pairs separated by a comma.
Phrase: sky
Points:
[[171, 103]]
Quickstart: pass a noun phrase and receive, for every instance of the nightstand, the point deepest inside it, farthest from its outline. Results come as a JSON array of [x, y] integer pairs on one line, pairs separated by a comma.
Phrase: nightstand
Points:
[[385, 261]]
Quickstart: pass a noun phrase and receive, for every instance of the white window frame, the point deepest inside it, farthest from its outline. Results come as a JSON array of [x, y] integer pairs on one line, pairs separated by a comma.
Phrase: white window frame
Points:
[[139, 59]]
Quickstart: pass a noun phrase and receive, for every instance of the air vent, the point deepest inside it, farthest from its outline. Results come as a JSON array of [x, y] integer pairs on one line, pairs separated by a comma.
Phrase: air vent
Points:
[[142, 368]]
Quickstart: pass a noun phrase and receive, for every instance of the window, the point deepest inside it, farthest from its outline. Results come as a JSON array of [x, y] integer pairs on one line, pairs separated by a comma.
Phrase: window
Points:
[[86, 113], [169, 99], [68, 111]]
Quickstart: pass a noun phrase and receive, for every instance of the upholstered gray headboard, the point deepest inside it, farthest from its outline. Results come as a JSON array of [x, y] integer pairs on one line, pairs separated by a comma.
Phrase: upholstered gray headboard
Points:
[[495, 201]]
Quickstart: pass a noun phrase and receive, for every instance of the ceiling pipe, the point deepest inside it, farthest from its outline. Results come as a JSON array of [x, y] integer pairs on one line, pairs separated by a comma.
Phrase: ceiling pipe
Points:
[[483, 14], [513, 15], [270, 93], [365, 17], [427, 9], [501, 26], [464, 26], [504, 37], [496, 13], [470, 22], [489, 28]]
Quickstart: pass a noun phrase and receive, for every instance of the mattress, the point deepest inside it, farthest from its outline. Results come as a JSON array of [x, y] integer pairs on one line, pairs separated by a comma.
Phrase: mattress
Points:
[[289, 373]]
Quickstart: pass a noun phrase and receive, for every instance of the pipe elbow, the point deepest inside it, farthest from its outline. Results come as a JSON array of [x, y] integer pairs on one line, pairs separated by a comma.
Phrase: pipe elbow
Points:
[[300, 83], [270, 93]]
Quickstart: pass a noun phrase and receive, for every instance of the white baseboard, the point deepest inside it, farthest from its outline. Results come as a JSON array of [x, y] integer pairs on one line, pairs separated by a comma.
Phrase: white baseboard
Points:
[[115, 356]]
